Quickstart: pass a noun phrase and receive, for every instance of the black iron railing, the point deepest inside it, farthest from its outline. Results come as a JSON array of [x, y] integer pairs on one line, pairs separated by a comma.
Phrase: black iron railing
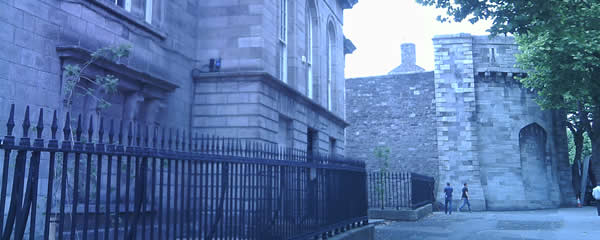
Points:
[[396, 190], [126, 181]]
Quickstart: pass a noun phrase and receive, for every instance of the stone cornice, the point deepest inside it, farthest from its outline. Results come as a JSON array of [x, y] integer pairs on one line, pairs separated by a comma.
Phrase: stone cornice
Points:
[[347, 4], [276, 83], [348, 46], [80, 54]]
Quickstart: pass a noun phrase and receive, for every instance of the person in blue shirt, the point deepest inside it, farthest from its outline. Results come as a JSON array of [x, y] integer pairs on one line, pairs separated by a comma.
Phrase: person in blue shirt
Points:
[[465, 198], [448, 200]]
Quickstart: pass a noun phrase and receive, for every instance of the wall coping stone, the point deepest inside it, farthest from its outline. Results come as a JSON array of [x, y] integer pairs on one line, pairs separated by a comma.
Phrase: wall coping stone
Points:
[[398, 76], [81, 54], [401, 214], [275, 82]]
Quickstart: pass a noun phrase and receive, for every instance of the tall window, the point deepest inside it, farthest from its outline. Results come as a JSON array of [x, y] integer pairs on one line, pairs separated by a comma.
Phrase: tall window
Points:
[[283, 37], [126, 4], [309, 52], [148, 15], [330, 56]]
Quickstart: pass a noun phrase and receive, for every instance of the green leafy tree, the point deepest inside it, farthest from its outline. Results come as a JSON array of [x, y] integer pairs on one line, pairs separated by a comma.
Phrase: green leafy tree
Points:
[[586, 147], [559, 42], [382, 154], [77, 81]]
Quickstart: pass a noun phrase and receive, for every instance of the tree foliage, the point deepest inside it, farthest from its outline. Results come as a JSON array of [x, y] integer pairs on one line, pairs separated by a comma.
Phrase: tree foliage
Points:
[[77, 81], [586, 146]]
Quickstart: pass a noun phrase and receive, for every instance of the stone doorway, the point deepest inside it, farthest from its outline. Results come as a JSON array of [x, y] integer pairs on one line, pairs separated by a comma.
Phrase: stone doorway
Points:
[[532, 146]]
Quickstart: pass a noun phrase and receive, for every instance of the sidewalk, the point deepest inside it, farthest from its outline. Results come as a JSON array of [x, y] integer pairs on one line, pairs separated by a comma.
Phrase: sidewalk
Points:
[[564, 223]]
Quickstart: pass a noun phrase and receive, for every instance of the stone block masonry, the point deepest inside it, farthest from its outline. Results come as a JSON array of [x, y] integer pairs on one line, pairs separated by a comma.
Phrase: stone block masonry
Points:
[[394, 111], [487, 129]]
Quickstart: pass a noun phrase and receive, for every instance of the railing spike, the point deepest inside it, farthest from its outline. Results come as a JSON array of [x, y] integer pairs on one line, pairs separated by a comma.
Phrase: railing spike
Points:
[[138, 134], [162, 139], [146, 135], [155, 138], [223, 145], [91, 129], [170, 141], [11, 121], [120, 136], [217, 147], [101, 131], [183, 142], [176, 139], [196, 142], [67, 128], [54, 126], [211, 144], [111, 131], [26, 123], [40, 124], [130, 134], [78, 131], [190, 142]]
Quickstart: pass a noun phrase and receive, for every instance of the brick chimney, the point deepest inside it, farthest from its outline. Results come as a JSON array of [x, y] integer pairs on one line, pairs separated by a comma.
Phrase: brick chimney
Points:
[[409, 60], [408, 54]]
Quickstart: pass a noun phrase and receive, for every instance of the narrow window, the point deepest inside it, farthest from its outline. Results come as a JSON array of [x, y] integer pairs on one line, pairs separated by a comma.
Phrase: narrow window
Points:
[[332, 147], [309, 54], [126, 4], [283, 37], [329, 70], [149, 11], [492, 55]]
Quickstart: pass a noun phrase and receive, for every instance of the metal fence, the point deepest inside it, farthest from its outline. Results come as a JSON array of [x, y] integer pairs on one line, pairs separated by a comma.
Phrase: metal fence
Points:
[[126, 181], [399, 190]]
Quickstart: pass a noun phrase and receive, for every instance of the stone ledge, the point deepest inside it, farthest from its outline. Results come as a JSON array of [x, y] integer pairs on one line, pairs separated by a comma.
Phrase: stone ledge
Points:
[[79, 54], [362, 233], [402, 214]]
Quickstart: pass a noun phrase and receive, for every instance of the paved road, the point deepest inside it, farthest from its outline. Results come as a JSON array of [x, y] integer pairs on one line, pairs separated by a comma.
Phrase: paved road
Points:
[[567, 223]]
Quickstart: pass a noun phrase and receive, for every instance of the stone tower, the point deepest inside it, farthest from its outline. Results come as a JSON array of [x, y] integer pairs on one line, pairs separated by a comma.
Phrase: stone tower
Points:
[[490, 132], [468, 121]]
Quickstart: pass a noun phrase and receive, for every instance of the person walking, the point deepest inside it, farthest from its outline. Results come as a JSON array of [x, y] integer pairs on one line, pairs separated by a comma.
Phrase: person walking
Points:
[[465, 198], [448, 200], [596, 194]]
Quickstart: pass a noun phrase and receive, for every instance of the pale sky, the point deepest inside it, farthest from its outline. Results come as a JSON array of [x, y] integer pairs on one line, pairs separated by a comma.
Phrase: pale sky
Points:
[[378, 27]]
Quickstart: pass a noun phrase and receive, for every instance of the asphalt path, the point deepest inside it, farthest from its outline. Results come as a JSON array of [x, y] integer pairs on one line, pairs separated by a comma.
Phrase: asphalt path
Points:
[[564, 223]]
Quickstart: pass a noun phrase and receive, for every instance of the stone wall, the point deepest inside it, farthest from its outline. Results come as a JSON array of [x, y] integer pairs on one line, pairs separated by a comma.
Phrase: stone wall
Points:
[[468, 122], [513, 160], [394, 111], [456, 116], [248, 100], [254, 105], [246, 36], [491, 133], [34, 30]]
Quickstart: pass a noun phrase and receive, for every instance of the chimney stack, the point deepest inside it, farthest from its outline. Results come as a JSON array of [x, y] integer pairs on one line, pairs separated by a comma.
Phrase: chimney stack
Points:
[[408, 54]]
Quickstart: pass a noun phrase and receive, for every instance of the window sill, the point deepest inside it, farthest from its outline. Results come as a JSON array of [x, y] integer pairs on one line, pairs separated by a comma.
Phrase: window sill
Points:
[[124, 15]]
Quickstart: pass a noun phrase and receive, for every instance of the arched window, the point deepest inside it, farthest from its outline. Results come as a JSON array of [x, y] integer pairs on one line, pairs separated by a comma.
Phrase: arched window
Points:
[[330, 65], [311, 43], [283, 40]]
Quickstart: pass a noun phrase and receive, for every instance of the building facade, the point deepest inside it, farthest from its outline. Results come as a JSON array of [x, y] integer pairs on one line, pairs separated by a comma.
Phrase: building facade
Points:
[[468, 121], [281, 77]]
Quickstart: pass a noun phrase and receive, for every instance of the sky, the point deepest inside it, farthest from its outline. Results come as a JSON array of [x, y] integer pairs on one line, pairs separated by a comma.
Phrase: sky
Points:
[[378, 28]]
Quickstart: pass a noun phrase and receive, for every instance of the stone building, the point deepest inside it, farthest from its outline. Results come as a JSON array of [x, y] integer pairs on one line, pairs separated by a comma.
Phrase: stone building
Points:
[[468, 121], [281, 77]]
